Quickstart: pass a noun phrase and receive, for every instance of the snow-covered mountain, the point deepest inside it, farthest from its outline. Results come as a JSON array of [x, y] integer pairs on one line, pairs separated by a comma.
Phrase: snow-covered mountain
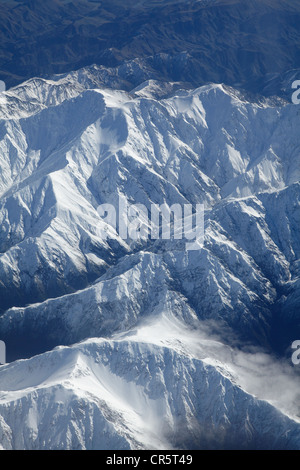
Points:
[[183, 338], [135, 392]]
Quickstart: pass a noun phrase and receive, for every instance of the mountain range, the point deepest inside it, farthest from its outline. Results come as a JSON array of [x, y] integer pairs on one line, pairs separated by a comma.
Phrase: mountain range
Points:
[[249, 44], [145, 332], [117, 343]]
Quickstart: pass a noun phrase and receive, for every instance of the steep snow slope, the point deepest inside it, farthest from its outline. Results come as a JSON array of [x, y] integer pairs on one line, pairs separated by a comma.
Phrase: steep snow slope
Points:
[[69, 144]]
